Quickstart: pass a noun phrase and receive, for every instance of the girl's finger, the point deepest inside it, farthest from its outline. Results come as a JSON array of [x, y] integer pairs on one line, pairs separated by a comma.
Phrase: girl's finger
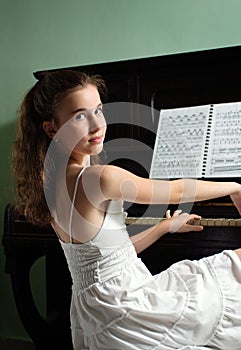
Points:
[[196, 228], [177, 212]]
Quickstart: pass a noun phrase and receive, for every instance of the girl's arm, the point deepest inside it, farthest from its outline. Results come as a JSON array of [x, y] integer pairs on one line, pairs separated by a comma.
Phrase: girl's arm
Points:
[[236, 198], [176, 223], [117, 183]]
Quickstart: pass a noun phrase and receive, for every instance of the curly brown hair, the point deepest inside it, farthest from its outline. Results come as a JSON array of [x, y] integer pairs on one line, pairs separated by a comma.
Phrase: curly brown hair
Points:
[[31, 144]]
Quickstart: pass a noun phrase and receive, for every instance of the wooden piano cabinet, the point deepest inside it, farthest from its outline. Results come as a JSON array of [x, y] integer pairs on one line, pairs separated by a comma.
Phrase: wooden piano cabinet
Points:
[[172, 248]]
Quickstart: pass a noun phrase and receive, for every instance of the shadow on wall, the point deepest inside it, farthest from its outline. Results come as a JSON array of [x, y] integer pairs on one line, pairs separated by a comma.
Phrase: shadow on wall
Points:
[[12, 332], [7, 190], [10, 324], [7, 136]]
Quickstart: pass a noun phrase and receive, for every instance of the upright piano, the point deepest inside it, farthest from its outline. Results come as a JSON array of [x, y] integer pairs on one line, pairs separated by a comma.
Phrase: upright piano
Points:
[[172, 81]]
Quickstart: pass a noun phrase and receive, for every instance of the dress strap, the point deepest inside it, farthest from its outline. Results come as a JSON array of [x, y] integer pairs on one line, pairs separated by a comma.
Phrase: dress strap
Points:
[[72, 203]]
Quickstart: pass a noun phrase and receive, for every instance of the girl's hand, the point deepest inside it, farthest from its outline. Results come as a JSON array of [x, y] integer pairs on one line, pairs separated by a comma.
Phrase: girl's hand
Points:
[[179, 222]]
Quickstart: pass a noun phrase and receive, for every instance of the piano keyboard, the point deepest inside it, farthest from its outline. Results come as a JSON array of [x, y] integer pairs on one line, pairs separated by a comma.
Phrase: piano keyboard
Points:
[[221, 222]]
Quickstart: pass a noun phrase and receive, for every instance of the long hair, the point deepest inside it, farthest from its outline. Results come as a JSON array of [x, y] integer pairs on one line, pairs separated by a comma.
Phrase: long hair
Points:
[[31, 144]]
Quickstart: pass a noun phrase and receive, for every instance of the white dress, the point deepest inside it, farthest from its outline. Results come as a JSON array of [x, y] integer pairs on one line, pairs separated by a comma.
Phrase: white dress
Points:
[[118, 305]]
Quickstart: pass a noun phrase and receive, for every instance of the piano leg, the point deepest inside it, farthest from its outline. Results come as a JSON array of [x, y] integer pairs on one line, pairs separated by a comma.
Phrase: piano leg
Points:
[[54, 332]]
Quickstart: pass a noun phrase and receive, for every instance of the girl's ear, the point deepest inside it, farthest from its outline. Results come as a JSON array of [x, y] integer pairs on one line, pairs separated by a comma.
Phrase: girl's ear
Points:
[[49, 128]]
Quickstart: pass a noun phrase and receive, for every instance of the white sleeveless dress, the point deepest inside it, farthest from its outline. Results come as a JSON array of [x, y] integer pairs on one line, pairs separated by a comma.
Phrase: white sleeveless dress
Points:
[[118, 305]]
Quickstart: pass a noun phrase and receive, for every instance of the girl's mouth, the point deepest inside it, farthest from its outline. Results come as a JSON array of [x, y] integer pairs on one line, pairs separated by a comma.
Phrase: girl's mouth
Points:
[[97, 139]]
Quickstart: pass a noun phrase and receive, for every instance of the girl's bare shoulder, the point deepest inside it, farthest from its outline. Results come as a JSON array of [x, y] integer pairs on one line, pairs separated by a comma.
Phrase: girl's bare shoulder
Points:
[[103, 170]]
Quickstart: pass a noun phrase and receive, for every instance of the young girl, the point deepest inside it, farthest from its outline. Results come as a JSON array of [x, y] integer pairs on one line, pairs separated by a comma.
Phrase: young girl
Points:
[[116, 303]]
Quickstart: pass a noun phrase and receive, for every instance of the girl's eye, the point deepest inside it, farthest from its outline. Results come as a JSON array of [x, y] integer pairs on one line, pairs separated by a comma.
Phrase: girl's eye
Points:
[[80, 116], [83, 115], [98, 111]]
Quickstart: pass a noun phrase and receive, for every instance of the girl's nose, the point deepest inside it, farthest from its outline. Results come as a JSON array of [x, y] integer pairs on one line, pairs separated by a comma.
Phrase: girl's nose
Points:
[[96, 123]]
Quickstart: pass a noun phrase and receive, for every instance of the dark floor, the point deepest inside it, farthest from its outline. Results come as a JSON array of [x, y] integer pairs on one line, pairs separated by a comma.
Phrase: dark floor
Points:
[[15, 344]]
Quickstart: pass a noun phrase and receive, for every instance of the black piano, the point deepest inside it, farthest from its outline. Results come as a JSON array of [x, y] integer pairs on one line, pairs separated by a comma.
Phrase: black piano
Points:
[[172, 81]]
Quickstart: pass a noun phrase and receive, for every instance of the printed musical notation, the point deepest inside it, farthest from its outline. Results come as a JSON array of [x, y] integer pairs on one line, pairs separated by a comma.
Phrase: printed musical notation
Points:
[[225, 141], [199, 141]]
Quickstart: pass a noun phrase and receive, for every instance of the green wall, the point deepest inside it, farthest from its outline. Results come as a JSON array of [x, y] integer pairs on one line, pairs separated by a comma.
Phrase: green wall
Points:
[[42, 34]]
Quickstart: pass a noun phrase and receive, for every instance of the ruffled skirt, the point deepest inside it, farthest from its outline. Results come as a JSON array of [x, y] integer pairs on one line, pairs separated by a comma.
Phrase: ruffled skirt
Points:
[[191, 305]]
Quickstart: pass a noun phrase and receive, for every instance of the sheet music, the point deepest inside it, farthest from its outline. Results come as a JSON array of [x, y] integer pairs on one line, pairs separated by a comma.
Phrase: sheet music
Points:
[[201, 141], [180, 142], [225, 141]]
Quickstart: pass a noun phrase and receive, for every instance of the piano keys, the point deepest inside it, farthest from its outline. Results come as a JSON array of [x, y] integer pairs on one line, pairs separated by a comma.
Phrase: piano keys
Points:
[[210, 222]]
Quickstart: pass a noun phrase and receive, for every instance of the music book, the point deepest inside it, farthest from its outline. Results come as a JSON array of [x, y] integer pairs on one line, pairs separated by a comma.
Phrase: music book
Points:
[[198, 142]]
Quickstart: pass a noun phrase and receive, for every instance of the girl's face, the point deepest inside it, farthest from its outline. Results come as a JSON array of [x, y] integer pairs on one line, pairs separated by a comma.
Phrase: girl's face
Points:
[[80, 122]]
